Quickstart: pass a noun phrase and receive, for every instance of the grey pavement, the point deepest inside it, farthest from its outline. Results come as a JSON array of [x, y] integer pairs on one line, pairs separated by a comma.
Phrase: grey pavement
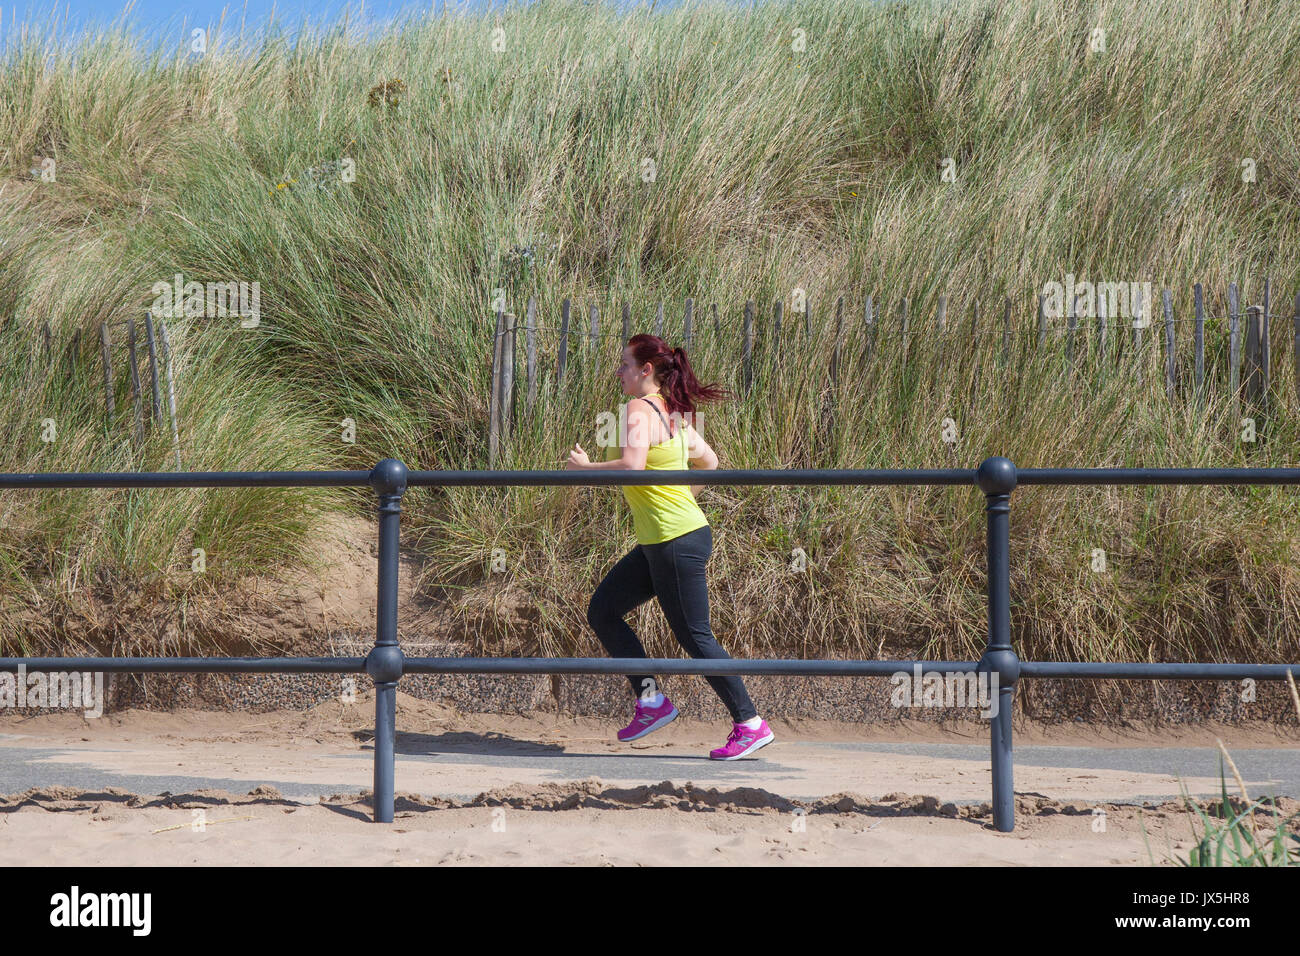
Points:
[[783, 770]]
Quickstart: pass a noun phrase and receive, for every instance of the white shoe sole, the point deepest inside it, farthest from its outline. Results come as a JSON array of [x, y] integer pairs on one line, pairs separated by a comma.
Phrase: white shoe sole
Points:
[[756, 745], [651, 729]]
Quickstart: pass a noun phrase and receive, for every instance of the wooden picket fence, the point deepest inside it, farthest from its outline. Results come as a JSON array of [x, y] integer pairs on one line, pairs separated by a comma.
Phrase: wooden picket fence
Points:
[[155, 338], [1249, 367]]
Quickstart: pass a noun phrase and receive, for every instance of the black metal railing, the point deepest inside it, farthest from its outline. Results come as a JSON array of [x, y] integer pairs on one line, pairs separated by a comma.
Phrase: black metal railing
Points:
[[386, 663]]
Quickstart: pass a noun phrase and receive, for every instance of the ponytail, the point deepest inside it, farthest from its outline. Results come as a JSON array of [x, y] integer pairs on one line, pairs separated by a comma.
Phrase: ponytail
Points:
[[681, 390]]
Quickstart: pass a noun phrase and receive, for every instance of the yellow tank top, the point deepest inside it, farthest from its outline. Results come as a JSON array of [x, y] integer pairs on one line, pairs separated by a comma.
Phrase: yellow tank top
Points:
[[662, 512]]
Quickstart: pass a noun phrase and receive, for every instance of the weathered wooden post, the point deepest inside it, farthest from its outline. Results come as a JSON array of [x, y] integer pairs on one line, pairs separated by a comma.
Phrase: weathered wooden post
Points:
[[153, 370], [1254, 379], [171, 391]]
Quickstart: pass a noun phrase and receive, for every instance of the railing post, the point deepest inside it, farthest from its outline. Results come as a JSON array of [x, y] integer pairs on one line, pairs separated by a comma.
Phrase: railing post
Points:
[[384, 662], [997, 477]]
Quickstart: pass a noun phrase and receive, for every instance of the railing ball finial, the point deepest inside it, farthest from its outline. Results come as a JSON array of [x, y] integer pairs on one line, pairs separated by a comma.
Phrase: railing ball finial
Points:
[[385, 663], [388, 477], [996, 476]]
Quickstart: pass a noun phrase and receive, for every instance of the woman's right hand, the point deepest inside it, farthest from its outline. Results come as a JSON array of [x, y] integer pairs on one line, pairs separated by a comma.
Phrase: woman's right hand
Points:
[[577, 460]]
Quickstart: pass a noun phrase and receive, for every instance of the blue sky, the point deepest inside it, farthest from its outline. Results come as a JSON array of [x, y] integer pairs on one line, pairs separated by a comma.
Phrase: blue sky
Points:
[[168, 22]]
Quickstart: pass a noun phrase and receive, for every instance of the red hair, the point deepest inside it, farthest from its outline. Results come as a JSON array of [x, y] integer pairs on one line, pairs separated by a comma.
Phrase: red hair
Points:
[[680, 389]]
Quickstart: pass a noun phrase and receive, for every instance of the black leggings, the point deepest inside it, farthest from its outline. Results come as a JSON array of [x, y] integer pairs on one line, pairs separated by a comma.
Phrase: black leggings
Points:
[[673, 572]]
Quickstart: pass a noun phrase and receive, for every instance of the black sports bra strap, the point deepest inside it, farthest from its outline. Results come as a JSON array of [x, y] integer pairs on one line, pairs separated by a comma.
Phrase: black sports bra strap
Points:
[[661, 416], [671, 436]]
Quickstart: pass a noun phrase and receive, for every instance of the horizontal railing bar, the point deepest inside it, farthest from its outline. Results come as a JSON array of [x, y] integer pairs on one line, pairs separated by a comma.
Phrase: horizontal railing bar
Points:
[[700, 476], [476, 665], [693, 476], [885, 668], [626, 665], [1158, 476], [670, 665], [198, 665], [1139, 671], [185, 479]]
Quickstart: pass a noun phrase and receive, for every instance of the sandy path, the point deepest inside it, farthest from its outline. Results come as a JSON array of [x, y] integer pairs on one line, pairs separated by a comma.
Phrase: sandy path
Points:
[[487, 789], [341, 834]]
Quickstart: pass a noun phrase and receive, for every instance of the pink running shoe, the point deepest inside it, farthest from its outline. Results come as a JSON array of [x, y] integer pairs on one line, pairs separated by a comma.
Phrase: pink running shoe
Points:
[[744, 741], [648, 719]]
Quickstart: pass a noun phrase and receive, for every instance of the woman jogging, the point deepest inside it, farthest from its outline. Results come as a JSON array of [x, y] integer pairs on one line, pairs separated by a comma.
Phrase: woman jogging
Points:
[[674, 541]]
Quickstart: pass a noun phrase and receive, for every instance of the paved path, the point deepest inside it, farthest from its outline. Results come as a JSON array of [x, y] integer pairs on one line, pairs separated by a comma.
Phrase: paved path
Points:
[[790, 767]]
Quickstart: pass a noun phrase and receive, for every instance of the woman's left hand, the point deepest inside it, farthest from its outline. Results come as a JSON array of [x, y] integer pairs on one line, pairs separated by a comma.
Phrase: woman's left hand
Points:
[[578, 459]]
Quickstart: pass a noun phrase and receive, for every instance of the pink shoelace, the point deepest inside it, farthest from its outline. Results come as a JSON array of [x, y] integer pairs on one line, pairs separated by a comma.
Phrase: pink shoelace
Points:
[[738, 733]]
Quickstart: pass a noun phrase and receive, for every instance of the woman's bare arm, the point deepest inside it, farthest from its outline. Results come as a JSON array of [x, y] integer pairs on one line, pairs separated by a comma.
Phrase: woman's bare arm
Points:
[[700, 455], [635, 452]]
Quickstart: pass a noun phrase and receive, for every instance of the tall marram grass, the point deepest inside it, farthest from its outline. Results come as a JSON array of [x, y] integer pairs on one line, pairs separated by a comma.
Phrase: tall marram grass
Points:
[[1230, 832], [774, 168]]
